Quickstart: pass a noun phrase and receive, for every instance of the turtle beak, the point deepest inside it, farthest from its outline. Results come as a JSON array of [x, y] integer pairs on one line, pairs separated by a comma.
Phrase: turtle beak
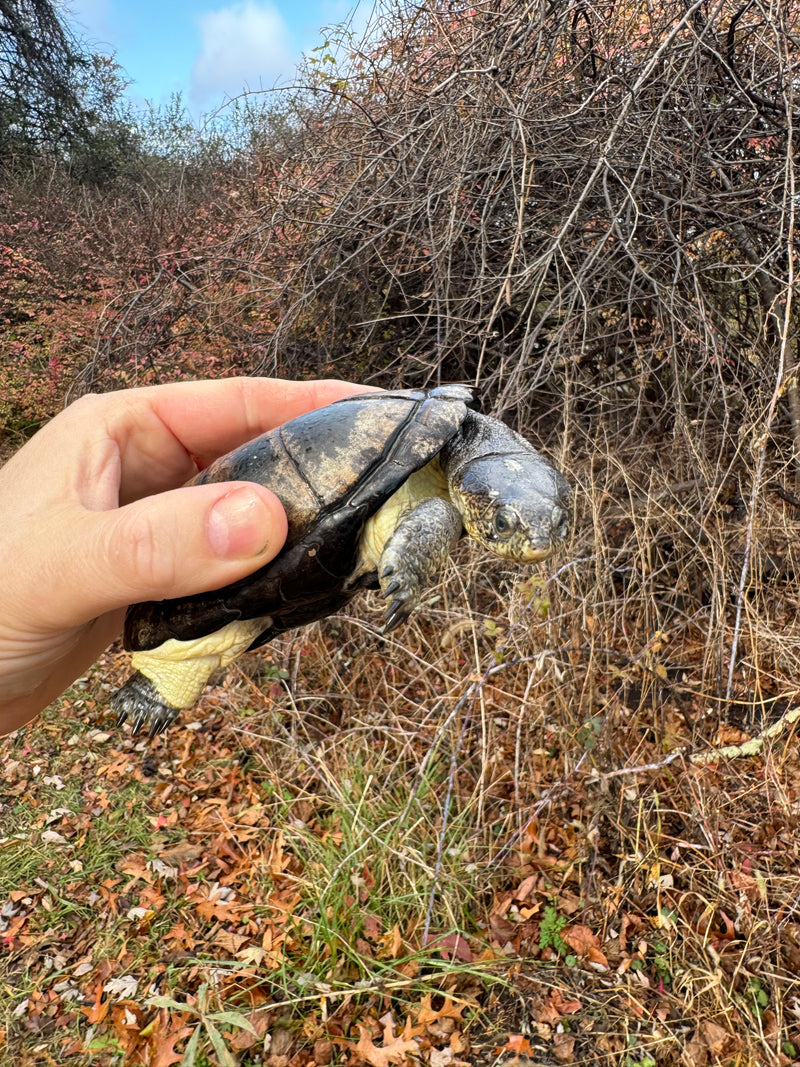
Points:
[[546, 534]]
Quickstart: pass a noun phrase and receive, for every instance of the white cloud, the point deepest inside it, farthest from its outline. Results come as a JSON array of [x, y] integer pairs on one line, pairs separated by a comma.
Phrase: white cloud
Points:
[[242, 46]]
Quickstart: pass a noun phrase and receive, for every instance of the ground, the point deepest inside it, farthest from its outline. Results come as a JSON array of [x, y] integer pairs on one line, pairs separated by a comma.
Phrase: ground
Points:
[[361, 849]]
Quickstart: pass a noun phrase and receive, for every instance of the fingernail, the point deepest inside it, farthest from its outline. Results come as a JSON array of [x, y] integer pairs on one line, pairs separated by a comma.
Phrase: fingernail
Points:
[[238, 525]]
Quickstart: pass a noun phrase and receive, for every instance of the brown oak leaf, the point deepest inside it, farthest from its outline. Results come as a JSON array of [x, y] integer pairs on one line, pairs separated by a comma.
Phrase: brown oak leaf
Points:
[[164, 1054], [564, 1047], [585, 944], [517, 1044], [393, 1050]]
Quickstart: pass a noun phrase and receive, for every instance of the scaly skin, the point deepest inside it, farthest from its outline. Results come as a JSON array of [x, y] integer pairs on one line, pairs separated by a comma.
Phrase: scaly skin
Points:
[[511, 500], [414, 554]]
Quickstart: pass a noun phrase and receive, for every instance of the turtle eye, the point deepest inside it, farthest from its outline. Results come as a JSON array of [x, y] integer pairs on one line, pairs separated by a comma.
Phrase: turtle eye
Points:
[[505, 522]]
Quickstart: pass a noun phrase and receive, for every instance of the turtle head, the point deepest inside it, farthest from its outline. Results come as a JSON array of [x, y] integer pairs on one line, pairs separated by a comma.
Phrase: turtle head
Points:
[[516, 505], [512, 501]]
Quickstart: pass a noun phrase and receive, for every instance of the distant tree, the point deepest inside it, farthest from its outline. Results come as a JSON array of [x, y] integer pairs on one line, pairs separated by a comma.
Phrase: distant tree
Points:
[[61, 102], [110, 142], [40, 65]]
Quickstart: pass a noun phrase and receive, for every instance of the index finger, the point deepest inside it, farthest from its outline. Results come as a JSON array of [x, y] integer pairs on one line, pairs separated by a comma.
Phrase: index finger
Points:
[[165, 433], [210, 418]]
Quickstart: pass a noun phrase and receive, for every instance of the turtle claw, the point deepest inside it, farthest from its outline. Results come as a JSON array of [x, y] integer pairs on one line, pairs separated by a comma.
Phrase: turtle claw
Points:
[[139, 701], [397, 614], [400, 608], [403, 590], [391, 588]]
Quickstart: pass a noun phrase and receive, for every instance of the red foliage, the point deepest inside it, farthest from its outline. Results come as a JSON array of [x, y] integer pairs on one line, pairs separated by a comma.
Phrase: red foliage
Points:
[[72, 271]]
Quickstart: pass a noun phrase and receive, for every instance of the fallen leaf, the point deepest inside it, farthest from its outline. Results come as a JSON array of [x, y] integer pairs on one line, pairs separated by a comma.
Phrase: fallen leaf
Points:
[[443, 1057], [449, 1010], [526, 887], [50, 837], [585, 944], [695, 1053], [391, 944], [244, 1039], [517, 1044], [454, 946], [230, 942], [95, 1013], [393, 1050], [564, 1047], [555, 1008], [178, 854], [226, 913], [164, 1054], [124, 987], [323, 1052], [502, 930], [715, 1037], [180, 936]]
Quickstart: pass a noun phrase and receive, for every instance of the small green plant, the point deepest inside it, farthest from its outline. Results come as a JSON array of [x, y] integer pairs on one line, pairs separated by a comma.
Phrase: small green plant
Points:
[[208, 1021], [533, 589], [550, 933], [271, 672], [661, 962], [590, 732], [758, 995], [645, 1061]]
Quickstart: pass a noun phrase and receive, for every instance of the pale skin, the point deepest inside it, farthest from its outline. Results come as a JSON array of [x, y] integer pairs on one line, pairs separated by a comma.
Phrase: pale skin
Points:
[[94, 515]]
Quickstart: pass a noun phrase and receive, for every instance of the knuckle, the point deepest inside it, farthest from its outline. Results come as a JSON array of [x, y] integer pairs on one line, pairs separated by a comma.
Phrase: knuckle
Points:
[[89, 405], [139, 553]]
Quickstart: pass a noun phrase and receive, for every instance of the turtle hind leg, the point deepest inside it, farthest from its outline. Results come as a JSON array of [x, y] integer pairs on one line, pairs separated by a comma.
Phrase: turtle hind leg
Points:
[[414, 555], [172, 675], [140, 701]]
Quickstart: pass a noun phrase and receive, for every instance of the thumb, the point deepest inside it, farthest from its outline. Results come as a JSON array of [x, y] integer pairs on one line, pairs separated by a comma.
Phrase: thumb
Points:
[[177, 543]]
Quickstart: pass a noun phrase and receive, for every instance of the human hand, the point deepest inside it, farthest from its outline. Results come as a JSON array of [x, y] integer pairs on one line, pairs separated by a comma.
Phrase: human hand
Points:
[[92, 519]]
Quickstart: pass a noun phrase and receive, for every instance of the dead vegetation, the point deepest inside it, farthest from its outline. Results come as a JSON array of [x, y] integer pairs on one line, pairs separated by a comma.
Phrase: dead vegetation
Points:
[[590, 214], [472, 841]]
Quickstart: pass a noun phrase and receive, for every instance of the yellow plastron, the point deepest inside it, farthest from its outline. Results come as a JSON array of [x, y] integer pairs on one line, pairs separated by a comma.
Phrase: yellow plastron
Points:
[[424, 483]]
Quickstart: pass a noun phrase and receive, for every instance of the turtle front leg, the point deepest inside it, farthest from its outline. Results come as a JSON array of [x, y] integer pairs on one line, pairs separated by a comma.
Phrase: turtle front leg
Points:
[[414, 555]]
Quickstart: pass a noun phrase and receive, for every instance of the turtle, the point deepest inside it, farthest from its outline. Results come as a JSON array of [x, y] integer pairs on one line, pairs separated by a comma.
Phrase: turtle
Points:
[[377, 489]]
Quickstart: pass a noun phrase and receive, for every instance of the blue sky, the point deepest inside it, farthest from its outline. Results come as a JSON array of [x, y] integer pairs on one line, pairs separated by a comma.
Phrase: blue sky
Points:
[[207, 49]]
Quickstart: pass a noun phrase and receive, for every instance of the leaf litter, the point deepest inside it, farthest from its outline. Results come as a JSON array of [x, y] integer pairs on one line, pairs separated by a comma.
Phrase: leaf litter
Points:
[[222, 906]]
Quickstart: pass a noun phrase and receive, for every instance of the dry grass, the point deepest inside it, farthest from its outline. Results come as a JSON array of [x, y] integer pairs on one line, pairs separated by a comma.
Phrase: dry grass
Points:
[[566, 706], [515, 761], [559, 705]]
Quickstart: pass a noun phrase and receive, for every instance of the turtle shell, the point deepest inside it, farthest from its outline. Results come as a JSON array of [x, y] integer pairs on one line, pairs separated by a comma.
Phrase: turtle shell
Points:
[[331, 469]]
